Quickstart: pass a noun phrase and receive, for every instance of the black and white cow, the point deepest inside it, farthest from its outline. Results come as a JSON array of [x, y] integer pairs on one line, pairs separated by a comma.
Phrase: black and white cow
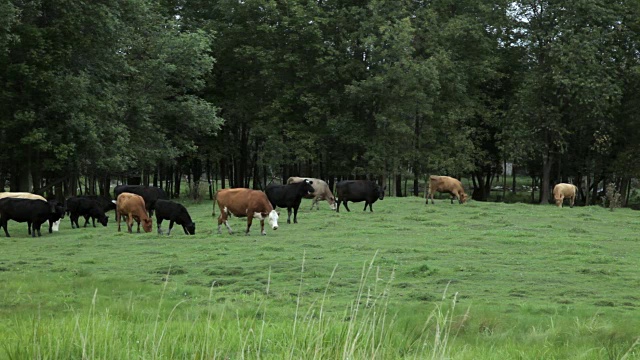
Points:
[[150, 194], [88, 208], [358, 190], [174, 212], [289, 196], [33, 212]]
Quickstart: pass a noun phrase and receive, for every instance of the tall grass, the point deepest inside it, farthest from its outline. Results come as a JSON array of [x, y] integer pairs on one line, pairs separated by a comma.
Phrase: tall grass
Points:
[[365, 330]]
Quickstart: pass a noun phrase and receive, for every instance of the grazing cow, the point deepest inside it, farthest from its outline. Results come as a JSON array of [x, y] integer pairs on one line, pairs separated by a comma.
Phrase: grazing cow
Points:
[[33, 212], [446, 184], [289, 196], [564, 190], [150, 194], [131, 206], [244, 202], [88, 208], [21, 195], [174, 212], [359, 190], [321, 191]]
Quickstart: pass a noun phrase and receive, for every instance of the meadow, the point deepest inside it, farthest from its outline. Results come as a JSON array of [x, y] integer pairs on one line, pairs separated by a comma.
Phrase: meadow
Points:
[[408, 281]]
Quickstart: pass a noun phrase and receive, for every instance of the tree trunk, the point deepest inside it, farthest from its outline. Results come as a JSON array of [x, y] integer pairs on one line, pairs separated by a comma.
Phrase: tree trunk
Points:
[[398, 185], [176, 182], [222, 173], [547, 162], [513, 181]]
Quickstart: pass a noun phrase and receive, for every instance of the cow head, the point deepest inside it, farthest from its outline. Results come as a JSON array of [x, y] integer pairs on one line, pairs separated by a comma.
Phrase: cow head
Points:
[[104, 220], [306, 187], [332, 202], [57, 210], [273, 219], [147, 224], [463, 198], [381, 190], [191, 228]]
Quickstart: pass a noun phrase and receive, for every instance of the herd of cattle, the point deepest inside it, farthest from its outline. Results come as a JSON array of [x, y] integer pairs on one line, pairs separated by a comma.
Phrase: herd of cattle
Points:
[[138, 203]]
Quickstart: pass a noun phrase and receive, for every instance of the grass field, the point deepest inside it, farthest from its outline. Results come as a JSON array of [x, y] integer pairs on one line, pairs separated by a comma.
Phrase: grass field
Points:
[[472, 281]]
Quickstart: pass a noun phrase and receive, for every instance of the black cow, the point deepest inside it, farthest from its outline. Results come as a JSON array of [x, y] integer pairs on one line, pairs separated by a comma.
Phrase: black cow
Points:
[[33, 212], [105, 202], [359, 190], [174, 212], [88, 208], [150, 194], [289, 196]]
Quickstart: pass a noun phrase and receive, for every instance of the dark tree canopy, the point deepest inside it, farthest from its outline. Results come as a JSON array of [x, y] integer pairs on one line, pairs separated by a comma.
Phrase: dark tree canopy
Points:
[[249, 91]]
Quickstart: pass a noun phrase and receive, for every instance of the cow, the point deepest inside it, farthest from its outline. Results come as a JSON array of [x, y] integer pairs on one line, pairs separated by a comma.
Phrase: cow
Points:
[[88, 208], [289, 196], [174, 212], [243, 202], [21, 195], [150, 194], [321, 191], [53, 225], [564, 190], [132, 207], [446, 184], [359, 190], [33, 212]]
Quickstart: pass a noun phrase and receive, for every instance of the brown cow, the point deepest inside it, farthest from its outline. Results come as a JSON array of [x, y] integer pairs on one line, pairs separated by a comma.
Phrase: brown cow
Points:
[[21, 195], [321, 191], [446, 184], [564, 190], [131, 206], [244, 203]]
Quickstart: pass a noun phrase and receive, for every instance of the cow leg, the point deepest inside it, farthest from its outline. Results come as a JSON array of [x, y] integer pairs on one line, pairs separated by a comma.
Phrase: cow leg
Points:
[[365, 206], [130, 223], [338, 205], [289, 217], [93, 220], [86, 220], [345, 206], [431, 195], [29, 227], [170, 227], [138, 222], [249, 221], [50, 227], [572, 201], [185, 230], [262, 227], [295, 215], [118, 216], [3, 225], [37, 227], [73, 226], [159, 221]]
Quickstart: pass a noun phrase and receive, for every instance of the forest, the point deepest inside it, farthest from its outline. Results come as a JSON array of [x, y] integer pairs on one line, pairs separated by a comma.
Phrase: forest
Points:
[[247, 91]]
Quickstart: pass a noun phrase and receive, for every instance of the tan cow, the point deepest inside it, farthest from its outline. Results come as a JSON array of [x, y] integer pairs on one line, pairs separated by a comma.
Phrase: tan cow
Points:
[[252, 204], [21, 195], [446, 184], [131, 206], [564, 190], [321, 191]]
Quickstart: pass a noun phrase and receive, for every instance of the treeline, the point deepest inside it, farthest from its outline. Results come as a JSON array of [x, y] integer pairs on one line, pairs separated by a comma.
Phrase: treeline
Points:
[[243, 92]]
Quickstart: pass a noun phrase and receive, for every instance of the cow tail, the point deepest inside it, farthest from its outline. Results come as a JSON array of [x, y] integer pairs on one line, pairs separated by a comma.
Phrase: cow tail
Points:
[[215, 197]]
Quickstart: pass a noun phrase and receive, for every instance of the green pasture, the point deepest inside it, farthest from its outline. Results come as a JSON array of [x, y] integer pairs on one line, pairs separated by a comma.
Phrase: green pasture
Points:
[[414, 281]]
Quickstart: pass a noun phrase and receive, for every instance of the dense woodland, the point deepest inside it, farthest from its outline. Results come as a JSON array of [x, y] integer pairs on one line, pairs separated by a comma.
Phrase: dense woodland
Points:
[[245, 92]]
